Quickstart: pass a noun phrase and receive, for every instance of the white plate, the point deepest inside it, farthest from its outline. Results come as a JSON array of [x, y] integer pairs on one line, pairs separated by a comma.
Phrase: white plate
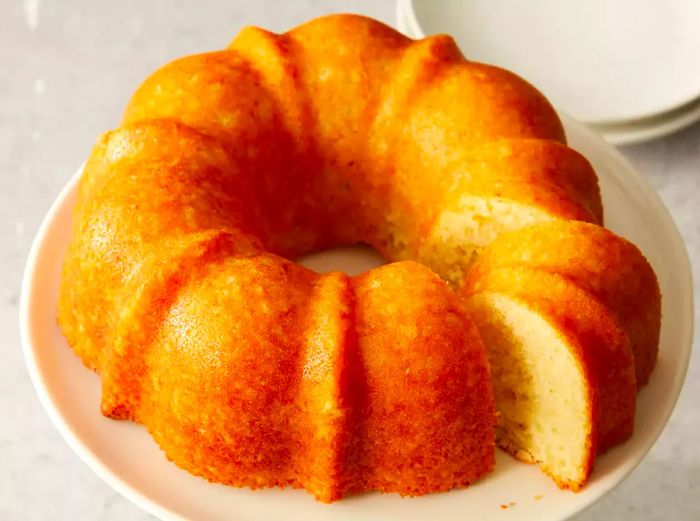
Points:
[[651, 128], [598, 60], [126, 457]]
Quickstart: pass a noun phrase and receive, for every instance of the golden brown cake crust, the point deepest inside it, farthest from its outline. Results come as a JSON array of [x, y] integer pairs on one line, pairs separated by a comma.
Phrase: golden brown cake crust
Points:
[[248, 369]]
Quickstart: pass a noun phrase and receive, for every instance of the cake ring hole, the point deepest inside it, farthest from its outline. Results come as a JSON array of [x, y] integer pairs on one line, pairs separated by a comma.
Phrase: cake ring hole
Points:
[[351, 260]]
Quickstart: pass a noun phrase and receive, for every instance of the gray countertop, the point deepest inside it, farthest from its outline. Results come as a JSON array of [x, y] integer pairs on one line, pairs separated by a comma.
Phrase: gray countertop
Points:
[[66, 72]]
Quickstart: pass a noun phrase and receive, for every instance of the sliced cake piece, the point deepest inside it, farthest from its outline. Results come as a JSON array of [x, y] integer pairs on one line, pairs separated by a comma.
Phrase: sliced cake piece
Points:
[[562, 370], [598, 261]]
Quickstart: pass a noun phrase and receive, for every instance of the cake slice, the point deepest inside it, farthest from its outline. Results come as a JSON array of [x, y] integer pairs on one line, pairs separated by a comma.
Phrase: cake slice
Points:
[[609, 267], [562, 370]]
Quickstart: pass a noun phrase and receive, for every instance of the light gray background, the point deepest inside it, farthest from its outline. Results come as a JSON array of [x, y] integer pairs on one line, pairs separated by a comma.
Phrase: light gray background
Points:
[[66, 71]]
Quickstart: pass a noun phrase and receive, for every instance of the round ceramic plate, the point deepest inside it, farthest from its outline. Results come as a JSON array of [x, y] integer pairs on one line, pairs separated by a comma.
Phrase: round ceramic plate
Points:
[[600, 61], [126, 457], [651, 128]]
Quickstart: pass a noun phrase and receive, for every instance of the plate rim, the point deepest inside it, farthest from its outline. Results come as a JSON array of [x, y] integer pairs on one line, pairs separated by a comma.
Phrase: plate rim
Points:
[[60, 423], [93, 461], [651, 128]]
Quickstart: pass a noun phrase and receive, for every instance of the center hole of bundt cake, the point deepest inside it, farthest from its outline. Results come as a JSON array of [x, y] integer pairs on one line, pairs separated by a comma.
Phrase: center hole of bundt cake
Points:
[[351, 260]]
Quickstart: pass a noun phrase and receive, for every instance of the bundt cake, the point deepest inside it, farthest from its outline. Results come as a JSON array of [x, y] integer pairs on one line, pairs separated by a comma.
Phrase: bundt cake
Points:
[[180, 287]]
